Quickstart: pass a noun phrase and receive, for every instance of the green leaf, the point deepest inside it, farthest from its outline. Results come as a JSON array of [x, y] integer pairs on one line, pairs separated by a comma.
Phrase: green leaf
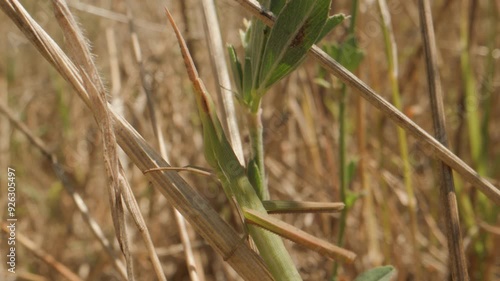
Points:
[[247, 82], [330, 24], [351, 171], [296, 29], [351, 198], [277, 6], [348, 53], [382, 273], [237, 70], [259, 33]]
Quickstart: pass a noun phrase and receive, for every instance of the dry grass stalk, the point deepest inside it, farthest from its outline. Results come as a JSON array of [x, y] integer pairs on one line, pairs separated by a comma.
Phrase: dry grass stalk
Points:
[[68, 185], [448, 197], [195, 270], [98, 11], [44, 256], [189, 202], [80, 53], [221, 73], [291, 179]]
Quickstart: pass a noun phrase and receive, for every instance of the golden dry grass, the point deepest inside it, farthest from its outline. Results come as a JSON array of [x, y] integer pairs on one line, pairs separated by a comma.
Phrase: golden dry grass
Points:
[[301, 140]]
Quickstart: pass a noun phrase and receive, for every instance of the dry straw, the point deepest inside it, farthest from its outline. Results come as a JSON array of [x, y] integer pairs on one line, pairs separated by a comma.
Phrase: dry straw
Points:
[[78, 69]]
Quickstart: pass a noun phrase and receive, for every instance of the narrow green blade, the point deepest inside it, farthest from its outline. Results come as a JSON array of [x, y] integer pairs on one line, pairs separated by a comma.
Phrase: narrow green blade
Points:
[[237, 70]]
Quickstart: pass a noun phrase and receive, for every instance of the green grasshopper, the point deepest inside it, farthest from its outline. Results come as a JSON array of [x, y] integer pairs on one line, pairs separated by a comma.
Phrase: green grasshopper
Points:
[[221, 157]]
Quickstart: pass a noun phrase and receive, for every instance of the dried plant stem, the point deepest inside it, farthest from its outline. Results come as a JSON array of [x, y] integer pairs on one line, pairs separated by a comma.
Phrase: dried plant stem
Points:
[[412, 62], [80, 53], [193, 206], [221, 73], [374, 255], [430, 145], [195, 270], [68, 185], [127, 194], [4, 136], [448, 199], [343, 184], [114, 16], [44, 256], [146, 87]]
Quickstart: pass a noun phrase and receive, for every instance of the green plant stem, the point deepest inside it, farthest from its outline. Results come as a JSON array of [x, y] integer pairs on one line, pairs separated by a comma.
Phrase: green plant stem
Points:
[[391, 53], [471, 101], [478, 135], [342, 172], [342, 146], [257, 144], [271, 247], [487, 89], [342, 163]]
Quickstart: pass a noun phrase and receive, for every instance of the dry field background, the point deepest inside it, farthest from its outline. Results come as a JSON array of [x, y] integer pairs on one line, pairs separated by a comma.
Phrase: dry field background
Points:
[[301, 121]]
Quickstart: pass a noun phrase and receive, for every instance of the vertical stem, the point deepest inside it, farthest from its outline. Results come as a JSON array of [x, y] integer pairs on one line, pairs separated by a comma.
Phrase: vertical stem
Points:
[[257, 161], [371, 229], [487, 90], [448, 200], [471, 100], [342, 162], [342, 173], [472, 108], [342, 147], [391, 52]]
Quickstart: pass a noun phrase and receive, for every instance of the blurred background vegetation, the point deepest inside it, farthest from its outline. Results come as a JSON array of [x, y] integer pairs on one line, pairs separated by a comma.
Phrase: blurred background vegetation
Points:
[[301, 123]]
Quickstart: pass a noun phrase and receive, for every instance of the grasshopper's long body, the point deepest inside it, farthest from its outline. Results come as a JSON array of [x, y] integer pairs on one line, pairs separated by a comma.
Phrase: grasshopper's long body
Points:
[[221, 157]]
